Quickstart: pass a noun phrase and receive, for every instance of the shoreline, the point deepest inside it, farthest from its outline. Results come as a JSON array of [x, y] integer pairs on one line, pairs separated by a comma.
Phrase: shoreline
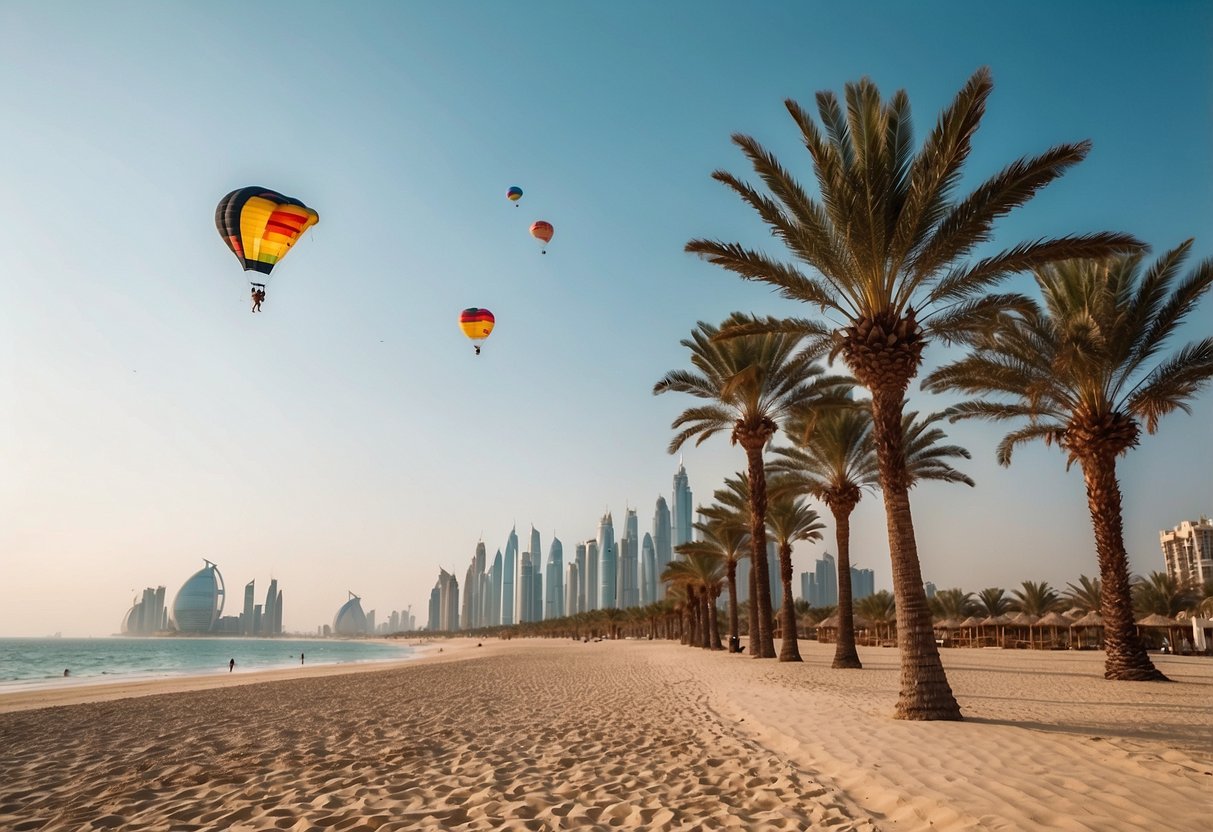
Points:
[[54, 696]]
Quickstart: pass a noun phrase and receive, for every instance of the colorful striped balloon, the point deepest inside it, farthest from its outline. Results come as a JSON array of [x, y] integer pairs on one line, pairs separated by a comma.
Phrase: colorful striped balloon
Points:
[[542, 231], [477, 324], [514, 194], [260, 226]]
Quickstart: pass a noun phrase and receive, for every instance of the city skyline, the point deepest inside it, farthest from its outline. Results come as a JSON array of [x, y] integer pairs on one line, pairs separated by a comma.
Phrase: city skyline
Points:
[[347, 436]]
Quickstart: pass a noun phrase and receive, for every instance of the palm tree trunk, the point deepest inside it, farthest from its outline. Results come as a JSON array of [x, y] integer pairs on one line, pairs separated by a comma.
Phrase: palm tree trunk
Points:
[[713, 623], [789, 650], [925, 692], [845, 654], [758, 538], [734, 634], [753, 622], [1125, 655]]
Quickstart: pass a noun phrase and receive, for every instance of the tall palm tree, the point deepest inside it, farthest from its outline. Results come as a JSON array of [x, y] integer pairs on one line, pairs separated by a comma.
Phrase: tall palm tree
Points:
[[1036, 598], [887, 252], [732, 505], [994, 601], [1085, 371], [834, 460], [790, 520], [1085, 596], [725, 534], [752, 383]]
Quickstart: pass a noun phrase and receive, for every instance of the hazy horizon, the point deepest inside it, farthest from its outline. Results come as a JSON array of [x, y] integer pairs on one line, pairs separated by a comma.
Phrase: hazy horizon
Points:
[[348, 438]]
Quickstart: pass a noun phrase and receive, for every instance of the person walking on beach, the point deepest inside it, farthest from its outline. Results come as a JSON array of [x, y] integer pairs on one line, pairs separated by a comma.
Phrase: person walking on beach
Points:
[[231, 665], [300, 657]]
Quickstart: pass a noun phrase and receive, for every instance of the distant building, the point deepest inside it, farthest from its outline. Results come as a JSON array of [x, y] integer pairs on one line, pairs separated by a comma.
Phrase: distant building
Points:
[[1188, 552], [246, 616], [820, 587], [147, 615], [863, 583], [591, 575], [509, 591], [929, 588], [199, 602], [536, 576], [572, 585], [580, 563], [350, 620], [555, 600], [527, 584], [648, 571], [663, 545], [627, 582], [683, 507]]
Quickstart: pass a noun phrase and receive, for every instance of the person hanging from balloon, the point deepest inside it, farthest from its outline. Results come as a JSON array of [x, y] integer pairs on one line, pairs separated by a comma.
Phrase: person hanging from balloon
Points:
[[260, 226]]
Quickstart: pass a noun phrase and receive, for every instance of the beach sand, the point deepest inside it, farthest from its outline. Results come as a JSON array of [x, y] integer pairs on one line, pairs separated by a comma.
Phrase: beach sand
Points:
[[625, 735]]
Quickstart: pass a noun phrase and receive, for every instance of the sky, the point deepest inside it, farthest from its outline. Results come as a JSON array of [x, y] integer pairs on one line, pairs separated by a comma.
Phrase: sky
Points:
[[347, 438]]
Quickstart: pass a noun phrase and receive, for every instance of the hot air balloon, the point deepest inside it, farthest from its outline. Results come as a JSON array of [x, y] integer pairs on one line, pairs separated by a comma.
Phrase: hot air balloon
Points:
[[477, 324], [514, 194], [542, 231], [260, 226]]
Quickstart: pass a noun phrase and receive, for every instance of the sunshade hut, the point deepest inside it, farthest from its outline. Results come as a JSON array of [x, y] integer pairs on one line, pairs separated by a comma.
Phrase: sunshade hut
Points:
[[1090, 623]]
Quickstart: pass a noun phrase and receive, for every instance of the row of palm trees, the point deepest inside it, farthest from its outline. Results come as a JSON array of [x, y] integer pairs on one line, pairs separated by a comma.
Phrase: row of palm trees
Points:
[[885, 252]]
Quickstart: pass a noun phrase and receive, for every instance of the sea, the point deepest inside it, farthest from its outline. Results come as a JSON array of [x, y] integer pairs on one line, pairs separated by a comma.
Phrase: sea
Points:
[[38, 663]]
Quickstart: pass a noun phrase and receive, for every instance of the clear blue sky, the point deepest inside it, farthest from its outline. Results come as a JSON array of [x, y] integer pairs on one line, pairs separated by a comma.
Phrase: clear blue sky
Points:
[[348, 438]]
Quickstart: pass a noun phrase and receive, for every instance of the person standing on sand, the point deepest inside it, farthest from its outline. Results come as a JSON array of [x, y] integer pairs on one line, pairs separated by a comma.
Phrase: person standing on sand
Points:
[[231, 665], [300, 657]]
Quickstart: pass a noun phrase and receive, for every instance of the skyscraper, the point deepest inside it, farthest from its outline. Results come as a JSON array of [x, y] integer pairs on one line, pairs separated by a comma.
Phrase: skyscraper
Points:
[[508, 589], [863, 583], [526, 584], [773, 575], [591, 579], [825, 583], [495, 591], [448, 602], [572, 585], [269, 613], [663, 545], [607, 563], [628, 580], [246, 616], [648, 571], [537, 577], [579, 562], [199, 602], [554, 606], [683, 506]]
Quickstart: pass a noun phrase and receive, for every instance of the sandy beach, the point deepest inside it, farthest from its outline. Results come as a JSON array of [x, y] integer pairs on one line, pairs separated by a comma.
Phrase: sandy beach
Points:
[[620, 735]]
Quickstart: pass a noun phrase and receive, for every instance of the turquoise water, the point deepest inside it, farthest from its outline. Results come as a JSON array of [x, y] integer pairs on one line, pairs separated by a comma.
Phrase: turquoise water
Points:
[[27, 663]]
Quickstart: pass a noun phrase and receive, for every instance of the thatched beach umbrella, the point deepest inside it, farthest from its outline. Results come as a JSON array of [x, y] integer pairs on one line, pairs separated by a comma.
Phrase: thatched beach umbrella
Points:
[[999, 623], [1026, 620], [1091, 621], [1053, 621], [1154, 621], [971, 624]]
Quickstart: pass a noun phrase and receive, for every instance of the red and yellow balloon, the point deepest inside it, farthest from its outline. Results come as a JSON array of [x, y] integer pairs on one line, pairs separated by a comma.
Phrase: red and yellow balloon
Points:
[[477, 324], [260, 226], [542, 231]]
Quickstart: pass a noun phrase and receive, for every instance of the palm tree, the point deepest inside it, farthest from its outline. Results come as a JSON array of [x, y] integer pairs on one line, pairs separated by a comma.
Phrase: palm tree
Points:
[[880, 609], [732, 505], [994, 601], [887, 250], [1085, 596], [753, 383], [1084, 370], [1036, 598], [834, 460], [953, 603], [1162, 595], [724, 535], [789, 520]]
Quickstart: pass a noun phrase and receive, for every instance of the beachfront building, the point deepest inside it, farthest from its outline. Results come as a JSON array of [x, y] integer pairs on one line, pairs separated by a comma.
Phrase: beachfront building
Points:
[[683, 506], [663, 546], [526, 583], [350, 620], [554, 598], [495, 591], [1187, 550], [627, 582], [509, 570], [147, 615], [608, 568], [648, 571], [246, 615], [448, 601], [199, 602]]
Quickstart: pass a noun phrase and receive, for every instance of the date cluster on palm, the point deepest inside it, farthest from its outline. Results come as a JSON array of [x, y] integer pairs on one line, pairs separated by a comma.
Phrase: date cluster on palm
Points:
[[884, 350]]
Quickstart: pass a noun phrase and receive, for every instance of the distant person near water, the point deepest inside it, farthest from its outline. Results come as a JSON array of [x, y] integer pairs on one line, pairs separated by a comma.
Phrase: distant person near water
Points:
[[66, 672], [231, 665], [301, 657]]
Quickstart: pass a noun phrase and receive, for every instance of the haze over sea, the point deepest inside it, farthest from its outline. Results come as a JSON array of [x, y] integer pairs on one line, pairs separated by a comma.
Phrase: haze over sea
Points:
[[28, 663]]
